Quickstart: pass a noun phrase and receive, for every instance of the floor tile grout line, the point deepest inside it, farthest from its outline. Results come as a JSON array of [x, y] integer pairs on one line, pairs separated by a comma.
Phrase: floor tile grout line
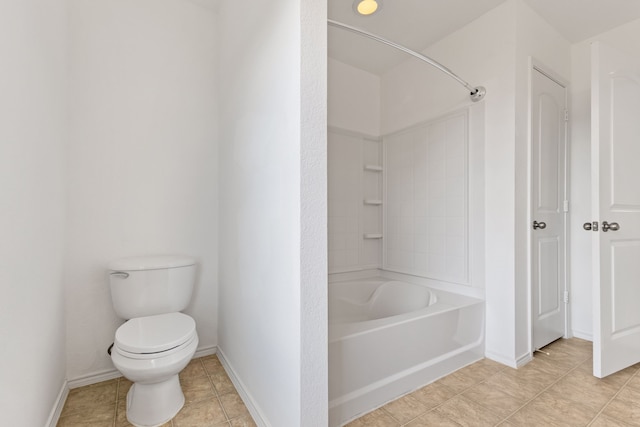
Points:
[[445, 401], [542, 391], [612, 399]]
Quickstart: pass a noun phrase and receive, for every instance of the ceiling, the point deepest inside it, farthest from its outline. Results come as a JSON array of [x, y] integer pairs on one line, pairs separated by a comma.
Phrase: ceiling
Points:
[[417, 24]]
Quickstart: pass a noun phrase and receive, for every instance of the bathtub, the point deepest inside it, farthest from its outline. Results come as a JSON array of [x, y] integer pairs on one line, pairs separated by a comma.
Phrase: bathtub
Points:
[[388, 338]]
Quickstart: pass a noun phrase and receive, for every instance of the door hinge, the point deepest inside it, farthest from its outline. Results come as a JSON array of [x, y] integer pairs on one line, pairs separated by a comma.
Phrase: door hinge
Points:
[[566, 206], [566, 297], [566, 115]]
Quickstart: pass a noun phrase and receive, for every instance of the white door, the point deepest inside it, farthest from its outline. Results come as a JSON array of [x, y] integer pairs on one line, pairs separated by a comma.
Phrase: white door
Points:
[[548, 140], [615, 163]]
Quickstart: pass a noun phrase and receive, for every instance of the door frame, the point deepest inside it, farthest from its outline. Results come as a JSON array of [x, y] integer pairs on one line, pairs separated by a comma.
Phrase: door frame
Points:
[[533, 66]]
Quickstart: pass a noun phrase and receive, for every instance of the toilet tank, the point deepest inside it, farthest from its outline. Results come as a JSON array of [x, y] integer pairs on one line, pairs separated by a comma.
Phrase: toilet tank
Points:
[[149, 285]]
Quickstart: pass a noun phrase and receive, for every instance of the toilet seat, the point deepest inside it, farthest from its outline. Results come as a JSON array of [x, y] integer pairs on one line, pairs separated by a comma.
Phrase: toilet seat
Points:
[[155, 336]]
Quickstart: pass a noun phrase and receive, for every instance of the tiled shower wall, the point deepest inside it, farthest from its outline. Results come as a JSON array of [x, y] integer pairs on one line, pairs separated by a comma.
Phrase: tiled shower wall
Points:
[[401, 202], [426, 203], [355, 196]]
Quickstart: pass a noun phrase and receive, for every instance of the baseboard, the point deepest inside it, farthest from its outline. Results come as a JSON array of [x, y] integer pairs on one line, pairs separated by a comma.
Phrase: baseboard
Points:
[[206, 351], [512, 363], [523, 360], [110, 374], [54, 417], [249, 402], [583, 335], [97, 377]]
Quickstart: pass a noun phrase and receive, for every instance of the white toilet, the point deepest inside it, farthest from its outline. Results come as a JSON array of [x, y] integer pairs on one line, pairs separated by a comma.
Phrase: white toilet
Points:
[[157, 341]]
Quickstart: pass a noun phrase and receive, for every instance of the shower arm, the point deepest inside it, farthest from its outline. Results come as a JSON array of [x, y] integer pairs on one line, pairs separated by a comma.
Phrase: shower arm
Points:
[[476, 93]]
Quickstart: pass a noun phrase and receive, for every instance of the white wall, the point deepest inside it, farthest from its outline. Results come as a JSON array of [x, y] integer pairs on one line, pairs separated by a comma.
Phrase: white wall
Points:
[[625, 38], [142, 159], [353, 99], [33, 132], [272, 300]]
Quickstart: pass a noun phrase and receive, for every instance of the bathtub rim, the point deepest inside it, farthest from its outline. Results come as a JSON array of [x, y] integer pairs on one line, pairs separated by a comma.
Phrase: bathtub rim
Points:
[[446, 301]]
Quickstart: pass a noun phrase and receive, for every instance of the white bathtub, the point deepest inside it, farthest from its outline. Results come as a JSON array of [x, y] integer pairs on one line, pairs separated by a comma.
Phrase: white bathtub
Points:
[[388, 338]]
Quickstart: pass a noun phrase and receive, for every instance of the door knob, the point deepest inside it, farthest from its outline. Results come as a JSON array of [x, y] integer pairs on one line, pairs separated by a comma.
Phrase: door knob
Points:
[[587, 226], [541, 225], [613, 226]]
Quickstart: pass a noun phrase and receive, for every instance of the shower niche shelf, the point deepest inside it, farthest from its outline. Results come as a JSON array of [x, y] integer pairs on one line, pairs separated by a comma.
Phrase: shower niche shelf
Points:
[[372, 235], [373, 202], [373, 168]]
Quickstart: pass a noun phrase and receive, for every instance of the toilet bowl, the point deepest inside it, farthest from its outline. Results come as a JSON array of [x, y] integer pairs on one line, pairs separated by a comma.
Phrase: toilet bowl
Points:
[[151, 351]]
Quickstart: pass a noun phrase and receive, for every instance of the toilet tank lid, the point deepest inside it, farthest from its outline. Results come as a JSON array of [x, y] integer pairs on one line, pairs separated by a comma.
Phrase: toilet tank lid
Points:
[[151, 262]]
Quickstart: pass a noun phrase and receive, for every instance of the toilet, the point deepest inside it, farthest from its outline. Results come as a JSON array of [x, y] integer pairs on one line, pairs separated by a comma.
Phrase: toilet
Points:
[[157, 341]]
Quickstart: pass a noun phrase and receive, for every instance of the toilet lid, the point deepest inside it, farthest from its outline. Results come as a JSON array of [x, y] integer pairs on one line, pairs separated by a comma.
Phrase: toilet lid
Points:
[[154, 334]]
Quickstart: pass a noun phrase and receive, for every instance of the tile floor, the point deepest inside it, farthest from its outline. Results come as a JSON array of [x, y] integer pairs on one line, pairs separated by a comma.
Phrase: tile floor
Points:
[[552, 390], [211, 400]]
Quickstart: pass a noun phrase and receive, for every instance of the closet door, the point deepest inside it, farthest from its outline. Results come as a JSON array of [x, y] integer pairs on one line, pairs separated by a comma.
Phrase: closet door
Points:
[[548, 146], [615, 226]]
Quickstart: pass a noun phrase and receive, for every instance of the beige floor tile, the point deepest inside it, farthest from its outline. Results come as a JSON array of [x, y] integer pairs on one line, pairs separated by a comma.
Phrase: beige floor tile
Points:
[[574, 387], [548, 366], [458, 381], [193, 369], [377, 418], [491, 364], [479, 371], [634, 382], [233, 405], [123, 387], [496, 400], [405, 409], [212, 364], [578, 348], [222, 382], [99, 416], [431, 419], [622, 411], [85, 399], [605, 421], [243, 422], [619, 378], [531, 416], [562, 409], [205, 413], [467, 412], [433, 394], [515, 386], [538, 373], [197, 388], [560, 358], [629, 395]]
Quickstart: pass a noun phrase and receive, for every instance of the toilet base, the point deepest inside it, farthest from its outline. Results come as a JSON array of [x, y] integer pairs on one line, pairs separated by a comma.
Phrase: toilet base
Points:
[[151, 405]]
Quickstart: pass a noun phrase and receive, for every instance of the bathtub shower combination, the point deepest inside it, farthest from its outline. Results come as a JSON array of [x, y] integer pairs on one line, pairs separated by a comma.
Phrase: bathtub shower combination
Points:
[[388, 338]]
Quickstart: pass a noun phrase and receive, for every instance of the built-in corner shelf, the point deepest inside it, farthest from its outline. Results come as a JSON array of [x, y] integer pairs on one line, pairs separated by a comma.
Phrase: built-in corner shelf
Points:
[[374, 202], [372, 235], [373, 168]]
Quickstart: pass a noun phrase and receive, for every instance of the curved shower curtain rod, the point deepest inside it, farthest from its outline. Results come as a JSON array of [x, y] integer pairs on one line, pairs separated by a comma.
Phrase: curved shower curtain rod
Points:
[[476, 93]]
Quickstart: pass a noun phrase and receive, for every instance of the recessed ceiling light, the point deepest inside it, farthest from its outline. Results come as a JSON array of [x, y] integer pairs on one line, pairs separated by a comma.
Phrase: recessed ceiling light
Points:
[[367, 7]]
